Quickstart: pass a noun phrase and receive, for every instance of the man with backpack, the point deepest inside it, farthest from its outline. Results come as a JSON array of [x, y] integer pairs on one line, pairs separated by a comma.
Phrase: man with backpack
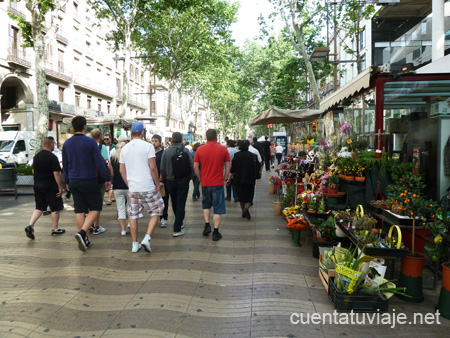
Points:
[[176, 171]]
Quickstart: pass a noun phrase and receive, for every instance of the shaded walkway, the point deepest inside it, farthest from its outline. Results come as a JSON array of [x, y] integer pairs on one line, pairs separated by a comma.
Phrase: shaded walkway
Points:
[[246, 285]]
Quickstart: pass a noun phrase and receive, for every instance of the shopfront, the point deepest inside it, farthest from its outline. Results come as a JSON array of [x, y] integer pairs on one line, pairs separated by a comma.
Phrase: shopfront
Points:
[[403, 115]]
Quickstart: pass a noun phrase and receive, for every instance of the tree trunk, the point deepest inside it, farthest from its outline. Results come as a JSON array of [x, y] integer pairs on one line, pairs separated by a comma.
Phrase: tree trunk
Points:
[[41, 82], [308, 65], [169, 103], [127, 50]]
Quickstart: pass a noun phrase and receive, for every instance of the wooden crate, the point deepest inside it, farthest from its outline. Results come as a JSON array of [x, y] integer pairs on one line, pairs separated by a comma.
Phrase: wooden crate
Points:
[[325, 277]]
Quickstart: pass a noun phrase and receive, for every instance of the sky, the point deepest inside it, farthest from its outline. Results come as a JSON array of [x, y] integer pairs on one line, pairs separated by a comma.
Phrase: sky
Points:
[[247, 25]]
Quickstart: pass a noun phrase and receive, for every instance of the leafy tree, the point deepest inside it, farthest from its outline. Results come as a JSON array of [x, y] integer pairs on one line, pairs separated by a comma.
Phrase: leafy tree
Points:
[[34, 37], [123, 13], [347, 19], [186, 40], [301, 14]]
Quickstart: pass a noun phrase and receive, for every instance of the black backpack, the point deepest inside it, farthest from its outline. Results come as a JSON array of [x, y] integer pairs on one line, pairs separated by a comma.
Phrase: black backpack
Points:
[[181, 164]]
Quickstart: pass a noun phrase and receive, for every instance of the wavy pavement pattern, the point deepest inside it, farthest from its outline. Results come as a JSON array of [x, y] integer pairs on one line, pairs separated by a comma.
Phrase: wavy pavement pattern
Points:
[[245, 285]]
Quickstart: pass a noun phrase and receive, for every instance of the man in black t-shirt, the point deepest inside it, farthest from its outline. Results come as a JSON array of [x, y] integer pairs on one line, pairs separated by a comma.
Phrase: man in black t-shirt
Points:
[[48, 187], [266, 151], [156, 141]]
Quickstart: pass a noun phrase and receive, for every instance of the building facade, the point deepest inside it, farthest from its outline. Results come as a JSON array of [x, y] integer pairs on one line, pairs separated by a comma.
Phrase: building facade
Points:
[[84, 77]]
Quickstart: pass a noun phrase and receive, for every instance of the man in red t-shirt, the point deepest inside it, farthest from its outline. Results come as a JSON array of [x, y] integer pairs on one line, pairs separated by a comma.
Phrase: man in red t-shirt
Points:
[[211, 158]]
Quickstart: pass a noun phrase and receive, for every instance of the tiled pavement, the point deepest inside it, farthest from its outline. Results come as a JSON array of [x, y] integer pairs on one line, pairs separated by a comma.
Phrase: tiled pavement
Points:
[[246, 285]]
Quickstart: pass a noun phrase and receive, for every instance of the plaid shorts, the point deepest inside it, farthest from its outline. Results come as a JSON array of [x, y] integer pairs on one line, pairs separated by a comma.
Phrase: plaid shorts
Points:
[[150, 201]]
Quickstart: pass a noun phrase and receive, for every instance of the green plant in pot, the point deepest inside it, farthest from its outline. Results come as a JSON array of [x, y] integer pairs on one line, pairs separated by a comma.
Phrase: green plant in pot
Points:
[[312, 204], [333, 183]]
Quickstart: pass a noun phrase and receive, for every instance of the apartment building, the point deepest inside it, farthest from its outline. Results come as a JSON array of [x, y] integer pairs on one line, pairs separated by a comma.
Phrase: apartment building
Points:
[[83, 75]]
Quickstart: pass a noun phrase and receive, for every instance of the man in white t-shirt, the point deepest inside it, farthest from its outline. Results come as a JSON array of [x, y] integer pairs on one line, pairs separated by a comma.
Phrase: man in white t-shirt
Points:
[[279, 150], [139, 171]]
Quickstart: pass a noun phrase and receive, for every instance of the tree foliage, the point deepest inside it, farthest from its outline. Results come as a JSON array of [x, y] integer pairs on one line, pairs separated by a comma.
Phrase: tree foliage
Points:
[[186, 39]]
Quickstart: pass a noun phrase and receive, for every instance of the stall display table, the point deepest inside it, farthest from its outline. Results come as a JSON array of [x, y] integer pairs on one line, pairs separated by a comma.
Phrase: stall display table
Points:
[[405, 223]]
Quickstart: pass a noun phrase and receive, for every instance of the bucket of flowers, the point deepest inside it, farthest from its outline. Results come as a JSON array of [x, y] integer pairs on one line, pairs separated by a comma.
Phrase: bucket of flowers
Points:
[[274, 181]]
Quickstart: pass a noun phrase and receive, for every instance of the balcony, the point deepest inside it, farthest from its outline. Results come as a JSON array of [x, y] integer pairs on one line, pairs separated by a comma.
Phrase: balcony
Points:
[[61, 36], [132, 100], [16, 12], [58, 72], [18, 57], [93, 86]]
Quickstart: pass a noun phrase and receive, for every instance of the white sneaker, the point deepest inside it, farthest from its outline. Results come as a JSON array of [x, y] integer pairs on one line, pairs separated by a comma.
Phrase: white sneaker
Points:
[[182, 226], [135, 247], [99, 230], [178, 234], [123, 233], [163, 223], [146, 244]]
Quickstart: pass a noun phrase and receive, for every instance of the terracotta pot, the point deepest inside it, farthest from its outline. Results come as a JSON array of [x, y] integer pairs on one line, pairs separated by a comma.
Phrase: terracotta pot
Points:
[[342, 176], [377, 155], [354, 155], [413, 266], [360, 179], [322, 239], [332, 191], [271, 189], [277, 208], [350, 178], [446, 276]]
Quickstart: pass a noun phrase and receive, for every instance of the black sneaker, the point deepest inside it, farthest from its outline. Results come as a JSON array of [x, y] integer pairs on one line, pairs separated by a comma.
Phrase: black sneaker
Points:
[[207, 230], [216, 235], [30, 232], [46, 212], [58, 231], [247, 213], [82, 245], [243, 214], [91, 229]]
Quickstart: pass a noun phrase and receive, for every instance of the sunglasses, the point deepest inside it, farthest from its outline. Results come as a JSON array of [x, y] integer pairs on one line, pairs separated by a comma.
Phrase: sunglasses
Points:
[[106, 139]]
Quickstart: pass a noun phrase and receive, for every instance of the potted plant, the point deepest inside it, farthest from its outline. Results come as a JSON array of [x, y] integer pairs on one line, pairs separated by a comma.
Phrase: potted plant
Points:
[[312, 204], [412, 264], [333, 183]]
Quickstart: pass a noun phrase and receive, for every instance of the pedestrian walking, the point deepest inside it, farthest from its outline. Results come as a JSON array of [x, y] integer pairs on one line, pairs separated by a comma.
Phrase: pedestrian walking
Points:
[[120, 188], [48, 187], [272, 154], [195, 180], [139, 172], [97, 135], [266, 151], [176, 170], [279, 152], [231, 147], [212, 157], [81, 159], [244, 168], [109, 146], [159, 151]]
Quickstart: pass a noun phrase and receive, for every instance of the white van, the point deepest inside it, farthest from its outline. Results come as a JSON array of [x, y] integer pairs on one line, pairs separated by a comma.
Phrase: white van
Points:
[[17, 146]]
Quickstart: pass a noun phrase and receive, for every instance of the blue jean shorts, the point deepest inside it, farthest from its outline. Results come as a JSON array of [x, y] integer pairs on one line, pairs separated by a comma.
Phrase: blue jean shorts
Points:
[[214, 196]]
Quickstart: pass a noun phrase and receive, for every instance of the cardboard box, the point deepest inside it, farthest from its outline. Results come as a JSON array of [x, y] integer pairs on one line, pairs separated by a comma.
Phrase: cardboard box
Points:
[[441, 108]]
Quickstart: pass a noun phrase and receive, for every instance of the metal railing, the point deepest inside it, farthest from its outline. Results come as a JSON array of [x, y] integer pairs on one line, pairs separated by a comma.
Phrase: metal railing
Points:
[[94, 86], [18, 56], [16, 12], [61, 36], [58, 72]]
